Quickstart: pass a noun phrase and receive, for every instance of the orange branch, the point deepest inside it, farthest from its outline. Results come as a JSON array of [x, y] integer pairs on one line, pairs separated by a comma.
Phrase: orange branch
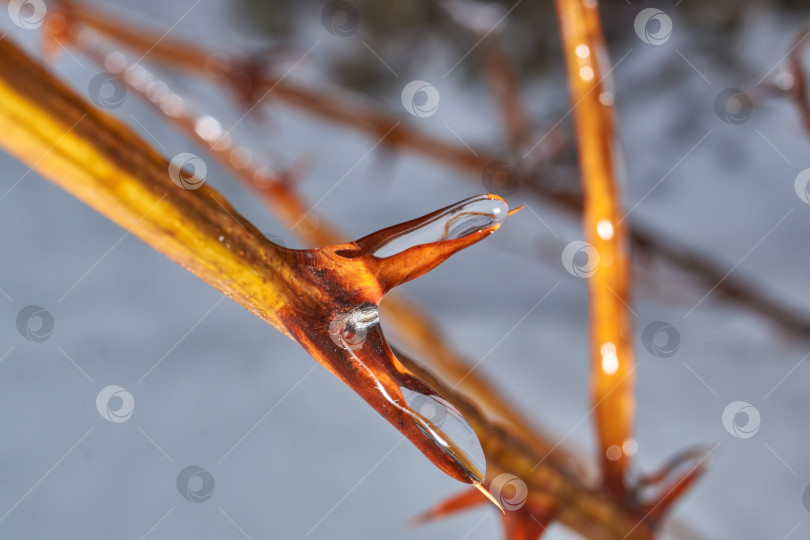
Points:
[[412, 324], [514, 448], [340, 108], [612, 365], [326, 299]]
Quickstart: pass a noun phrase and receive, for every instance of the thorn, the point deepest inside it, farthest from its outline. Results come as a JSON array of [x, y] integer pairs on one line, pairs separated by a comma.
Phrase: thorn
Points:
[[421, 519], [489, 496], [460, 502], [408, 250], [515, 210]]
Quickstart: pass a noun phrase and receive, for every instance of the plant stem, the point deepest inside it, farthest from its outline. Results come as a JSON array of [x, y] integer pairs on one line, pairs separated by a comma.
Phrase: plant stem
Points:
[[611, 344]]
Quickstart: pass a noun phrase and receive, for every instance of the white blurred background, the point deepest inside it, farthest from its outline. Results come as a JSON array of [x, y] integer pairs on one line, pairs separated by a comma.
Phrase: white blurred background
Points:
[[293, 452]]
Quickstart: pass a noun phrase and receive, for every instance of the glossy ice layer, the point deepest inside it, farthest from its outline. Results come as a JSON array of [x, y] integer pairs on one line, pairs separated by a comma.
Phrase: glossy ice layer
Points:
[[463, 219], [348, 330], [349, 280], [358, 333], [443, 423]]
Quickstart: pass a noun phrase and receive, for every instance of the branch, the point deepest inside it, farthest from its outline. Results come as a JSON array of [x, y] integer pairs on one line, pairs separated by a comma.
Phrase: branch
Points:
[[612, 363], [277, 190], [481, 20], [539, 488], [798, 91], [255, 84], [326, 299]]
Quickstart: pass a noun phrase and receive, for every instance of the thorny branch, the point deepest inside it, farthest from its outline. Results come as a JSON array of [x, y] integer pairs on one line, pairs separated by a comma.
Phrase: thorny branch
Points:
[[277, 191], [255, 82], [105, 164], [302, 293]]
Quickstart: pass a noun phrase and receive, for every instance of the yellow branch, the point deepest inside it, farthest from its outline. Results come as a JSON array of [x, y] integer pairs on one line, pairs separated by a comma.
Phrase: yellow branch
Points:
[[411, 323], [301, 292], [104, 164]]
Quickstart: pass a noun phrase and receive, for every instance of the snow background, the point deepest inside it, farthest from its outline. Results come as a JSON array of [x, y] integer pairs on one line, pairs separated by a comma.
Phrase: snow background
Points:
[[322, 464]]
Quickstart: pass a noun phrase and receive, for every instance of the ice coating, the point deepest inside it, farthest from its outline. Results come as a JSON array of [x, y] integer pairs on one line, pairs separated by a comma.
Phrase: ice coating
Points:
[[348, 330], [349, 280], [440, 424], [458, 221], [443, 423]]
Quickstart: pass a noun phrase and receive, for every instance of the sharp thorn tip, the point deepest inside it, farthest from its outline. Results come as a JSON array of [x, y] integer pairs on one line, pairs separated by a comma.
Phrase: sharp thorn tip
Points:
[[489, 496]]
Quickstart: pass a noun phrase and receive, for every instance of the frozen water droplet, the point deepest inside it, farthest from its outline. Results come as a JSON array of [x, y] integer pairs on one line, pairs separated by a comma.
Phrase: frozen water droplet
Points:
[[458, 221], [348, 330], [443, 423]]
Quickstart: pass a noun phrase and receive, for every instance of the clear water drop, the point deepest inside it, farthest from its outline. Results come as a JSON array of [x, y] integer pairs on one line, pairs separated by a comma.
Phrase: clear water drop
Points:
[[458, 221], [443, 423], [348, 330]]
